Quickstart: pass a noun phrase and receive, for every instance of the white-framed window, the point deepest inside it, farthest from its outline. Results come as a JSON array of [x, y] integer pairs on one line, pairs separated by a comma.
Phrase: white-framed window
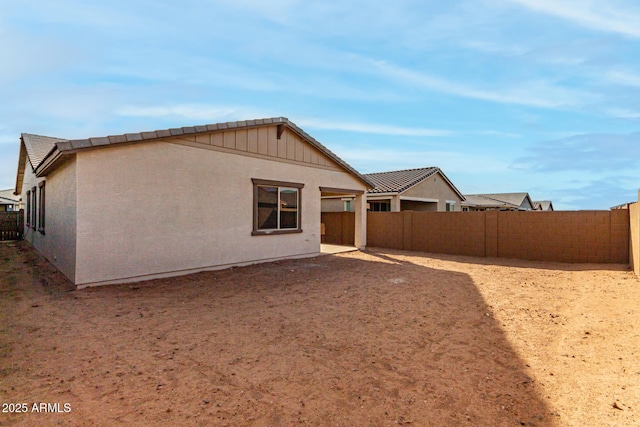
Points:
[[276, 207], [450, 206]]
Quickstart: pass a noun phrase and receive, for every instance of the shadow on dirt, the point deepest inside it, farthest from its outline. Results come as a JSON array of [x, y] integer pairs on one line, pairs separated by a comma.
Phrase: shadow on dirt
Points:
[[359, 339]]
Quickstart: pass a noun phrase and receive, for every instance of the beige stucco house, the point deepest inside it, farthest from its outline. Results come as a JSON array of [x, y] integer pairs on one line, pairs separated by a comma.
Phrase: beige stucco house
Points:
[[542, 205], [498, 201], [422, 189], [156, 204], [9, 201]]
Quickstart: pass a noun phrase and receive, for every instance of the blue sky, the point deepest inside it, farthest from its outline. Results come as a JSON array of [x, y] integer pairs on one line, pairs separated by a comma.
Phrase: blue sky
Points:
[[541, 96]]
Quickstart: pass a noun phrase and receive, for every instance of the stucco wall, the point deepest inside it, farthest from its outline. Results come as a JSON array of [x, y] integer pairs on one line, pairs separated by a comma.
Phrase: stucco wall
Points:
[[634, 249], [335, 205], [526, 205], [30, 181], [57, 244], [409, 205], [435, 187], [159, 208]]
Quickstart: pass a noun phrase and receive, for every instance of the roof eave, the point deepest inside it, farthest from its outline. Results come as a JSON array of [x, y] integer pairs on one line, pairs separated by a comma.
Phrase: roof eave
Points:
[[22, 164], [50, 162], [67, 147], [383, 194]]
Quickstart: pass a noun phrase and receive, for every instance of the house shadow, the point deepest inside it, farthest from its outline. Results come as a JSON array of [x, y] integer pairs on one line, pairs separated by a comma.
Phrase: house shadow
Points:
[[350, 339]]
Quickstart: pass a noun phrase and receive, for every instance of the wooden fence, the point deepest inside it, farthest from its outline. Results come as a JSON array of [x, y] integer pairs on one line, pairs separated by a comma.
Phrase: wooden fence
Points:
[[11, 225]]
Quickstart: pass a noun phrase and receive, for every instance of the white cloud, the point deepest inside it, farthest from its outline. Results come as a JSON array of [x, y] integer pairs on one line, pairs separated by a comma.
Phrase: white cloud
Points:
[[213, 113], [623, 113], [595, 152], [327, 124], [369, 159], [591, 193], [208, 113], [624, 78], [494, 48], [597, 15], [26, 55], [537, 93], [275, 10], [497, 133]]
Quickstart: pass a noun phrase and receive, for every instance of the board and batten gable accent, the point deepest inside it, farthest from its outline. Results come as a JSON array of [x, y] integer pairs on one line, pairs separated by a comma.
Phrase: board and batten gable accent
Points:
[[260, 142]]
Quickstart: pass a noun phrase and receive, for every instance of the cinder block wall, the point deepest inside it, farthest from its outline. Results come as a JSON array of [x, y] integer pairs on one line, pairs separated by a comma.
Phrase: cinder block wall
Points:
[[447, 232], [582, 236], [579, 237], [386, 230], [339, 227], [634, 242]]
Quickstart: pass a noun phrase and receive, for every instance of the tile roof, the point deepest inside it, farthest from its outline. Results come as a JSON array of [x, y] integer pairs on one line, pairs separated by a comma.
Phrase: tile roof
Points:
[[399, 181], [77, 144], [41, 147], [38, 147], [8, 194], [511, 198], [482, 201], [543, 205], [506, 200], [7, 197]]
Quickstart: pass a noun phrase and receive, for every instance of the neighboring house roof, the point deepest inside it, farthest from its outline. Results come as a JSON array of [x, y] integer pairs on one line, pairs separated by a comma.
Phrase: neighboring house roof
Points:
[[498, 200], [46, 153], [542, 205], [402, 180], [478, 200], [38, 147], [622, 206], [7, 197]]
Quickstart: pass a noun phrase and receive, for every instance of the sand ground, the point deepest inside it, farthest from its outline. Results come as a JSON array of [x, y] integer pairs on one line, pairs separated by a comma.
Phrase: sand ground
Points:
[[379, 338]]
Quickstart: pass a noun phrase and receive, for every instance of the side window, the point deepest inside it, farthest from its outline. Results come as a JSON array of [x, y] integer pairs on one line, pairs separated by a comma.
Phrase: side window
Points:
[[276, 207], [380, 206], [33, 207], [28, 210], [41, 207]]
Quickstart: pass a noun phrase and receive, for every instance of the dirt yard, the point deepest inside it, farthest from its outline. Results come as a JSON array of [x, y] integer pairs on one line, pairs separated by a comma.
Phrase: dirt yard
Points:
[[380, 338]]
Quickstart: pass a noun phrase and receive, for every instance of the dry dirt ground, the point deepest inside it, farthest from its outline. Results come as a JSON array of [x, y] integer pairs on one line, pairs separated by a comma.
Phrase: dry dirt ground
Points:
[[379, 338]]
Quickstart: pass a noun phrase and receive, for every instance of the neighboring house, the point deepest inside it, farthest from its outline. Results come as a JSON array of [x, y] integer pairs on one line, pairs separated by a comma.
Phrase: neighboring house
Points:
[[498, 201], [423, 189], [8, 201], [623, 206], [542, 205], [338, 204], [156, 204]]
